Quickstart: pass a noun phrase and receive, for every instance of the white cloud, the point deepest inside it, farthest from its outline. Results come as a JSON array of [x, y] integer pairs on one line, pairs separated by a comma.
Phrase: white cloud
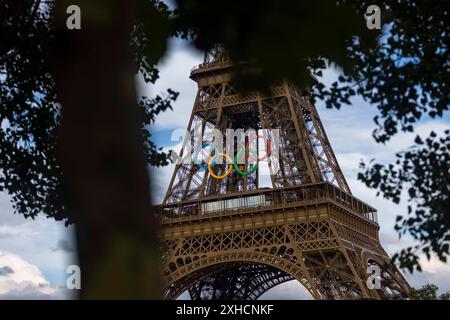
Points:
[[64, 245], [35, 240], [23, 272], [174, 72], [434, 271], [160, 177], [291, 290], [7, 231], [25, 280], [6, 212], [31, 292]]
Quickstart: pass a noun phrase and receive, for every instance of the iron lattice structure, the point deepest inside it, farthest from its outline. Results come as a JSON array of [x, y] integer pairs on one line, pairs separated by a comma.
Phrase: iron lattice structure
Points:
[[221, 243]]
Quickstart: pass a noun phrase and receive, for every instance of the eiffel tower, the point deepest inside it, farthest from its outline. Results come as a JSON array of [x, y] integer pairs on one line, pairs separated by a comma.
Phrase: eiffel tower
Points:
[[229, 238]]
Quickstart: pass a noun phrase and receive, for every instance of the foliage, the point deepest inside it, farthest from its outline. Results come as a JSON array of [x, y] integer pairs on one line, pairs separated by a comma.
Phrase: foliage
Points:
[[423, 171], [30, 114], [283, 41], [428, 292], [403, 71], [151, 107], [407, 77]]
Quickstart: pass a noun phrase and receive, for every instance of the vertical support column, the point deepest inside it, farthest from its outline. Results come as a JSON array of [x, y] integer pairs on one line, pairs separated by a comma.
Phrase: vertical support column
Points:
[[178, 166], [265, 127], [212, 183], [356, 275], [313, 288], [301, 136]]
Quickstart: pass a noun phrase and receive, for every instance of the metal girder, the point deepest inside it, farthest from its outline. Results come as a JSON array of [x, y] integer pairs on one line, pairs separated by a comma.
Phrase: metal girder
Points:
[[308, 227]]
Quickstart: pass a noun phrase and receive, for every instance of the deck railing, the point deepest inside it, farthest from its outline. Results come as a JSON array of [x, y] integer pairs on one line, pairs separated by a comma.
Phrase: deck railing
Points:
[[265, 199]]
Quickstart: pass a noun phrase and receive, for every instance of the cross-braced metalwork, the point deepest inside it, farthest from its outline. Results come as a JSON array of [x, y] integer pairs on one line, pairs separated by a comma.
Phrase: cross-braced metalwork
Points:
[[231, 239]]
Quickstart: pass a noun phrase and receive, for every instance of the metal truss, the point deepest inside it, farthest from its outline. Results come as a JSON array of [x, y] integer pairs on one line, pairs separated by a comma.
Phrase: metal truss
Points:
[[308, 227], [305, 152], [238, 282]]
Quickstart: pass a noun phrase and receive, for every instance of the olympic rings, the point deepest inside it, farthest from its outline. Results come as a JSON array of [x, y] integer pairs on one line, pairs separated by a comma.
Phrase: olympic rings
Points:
[[230, 166], [244, 173], [250, 153], [268, 147], [201, 166]]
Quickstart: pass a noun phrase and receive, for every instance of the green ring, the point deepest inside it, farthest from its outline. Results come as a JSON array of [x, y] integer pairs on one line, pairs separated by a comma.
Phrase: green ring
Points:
[[244, 173]]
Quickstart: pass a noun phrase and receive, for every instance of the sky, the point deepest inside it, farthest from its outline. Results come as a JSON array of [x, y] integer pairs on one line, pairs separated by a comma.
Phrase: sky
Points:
[[35, 254]]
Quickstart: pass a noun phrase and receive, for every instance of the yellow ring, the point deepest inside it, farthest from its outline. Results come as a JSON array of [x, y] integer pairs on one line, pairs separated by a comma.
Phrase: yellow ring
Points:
[[230, 166]]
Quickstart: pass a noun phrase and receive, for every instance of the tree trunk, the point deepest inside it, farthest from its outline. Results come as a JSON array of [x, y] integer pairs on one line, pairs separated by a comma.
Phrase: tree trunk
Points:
[[106, 183]]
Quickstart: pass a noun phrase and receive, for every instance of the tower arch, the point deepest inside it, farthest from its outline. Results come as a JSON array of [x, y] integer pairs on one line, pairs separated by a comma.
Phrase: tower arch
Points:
[[257, 270]]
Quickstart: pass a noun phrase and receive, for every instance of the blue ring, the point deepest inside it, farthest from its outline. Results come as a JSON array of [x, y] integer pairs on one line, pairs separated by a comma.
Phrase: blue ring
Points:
[[200, 149]]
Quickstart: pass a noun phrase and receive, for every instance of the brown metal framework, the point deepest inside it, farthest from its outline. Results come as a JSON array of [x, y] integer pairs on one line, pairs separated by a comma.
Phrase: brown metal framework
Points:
[[220, 245]]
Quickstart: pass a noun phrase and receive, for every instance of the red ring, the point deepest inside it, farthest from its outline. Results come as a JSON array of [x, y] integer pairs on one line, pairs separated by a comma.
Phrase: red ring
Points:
[[268, 147]]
